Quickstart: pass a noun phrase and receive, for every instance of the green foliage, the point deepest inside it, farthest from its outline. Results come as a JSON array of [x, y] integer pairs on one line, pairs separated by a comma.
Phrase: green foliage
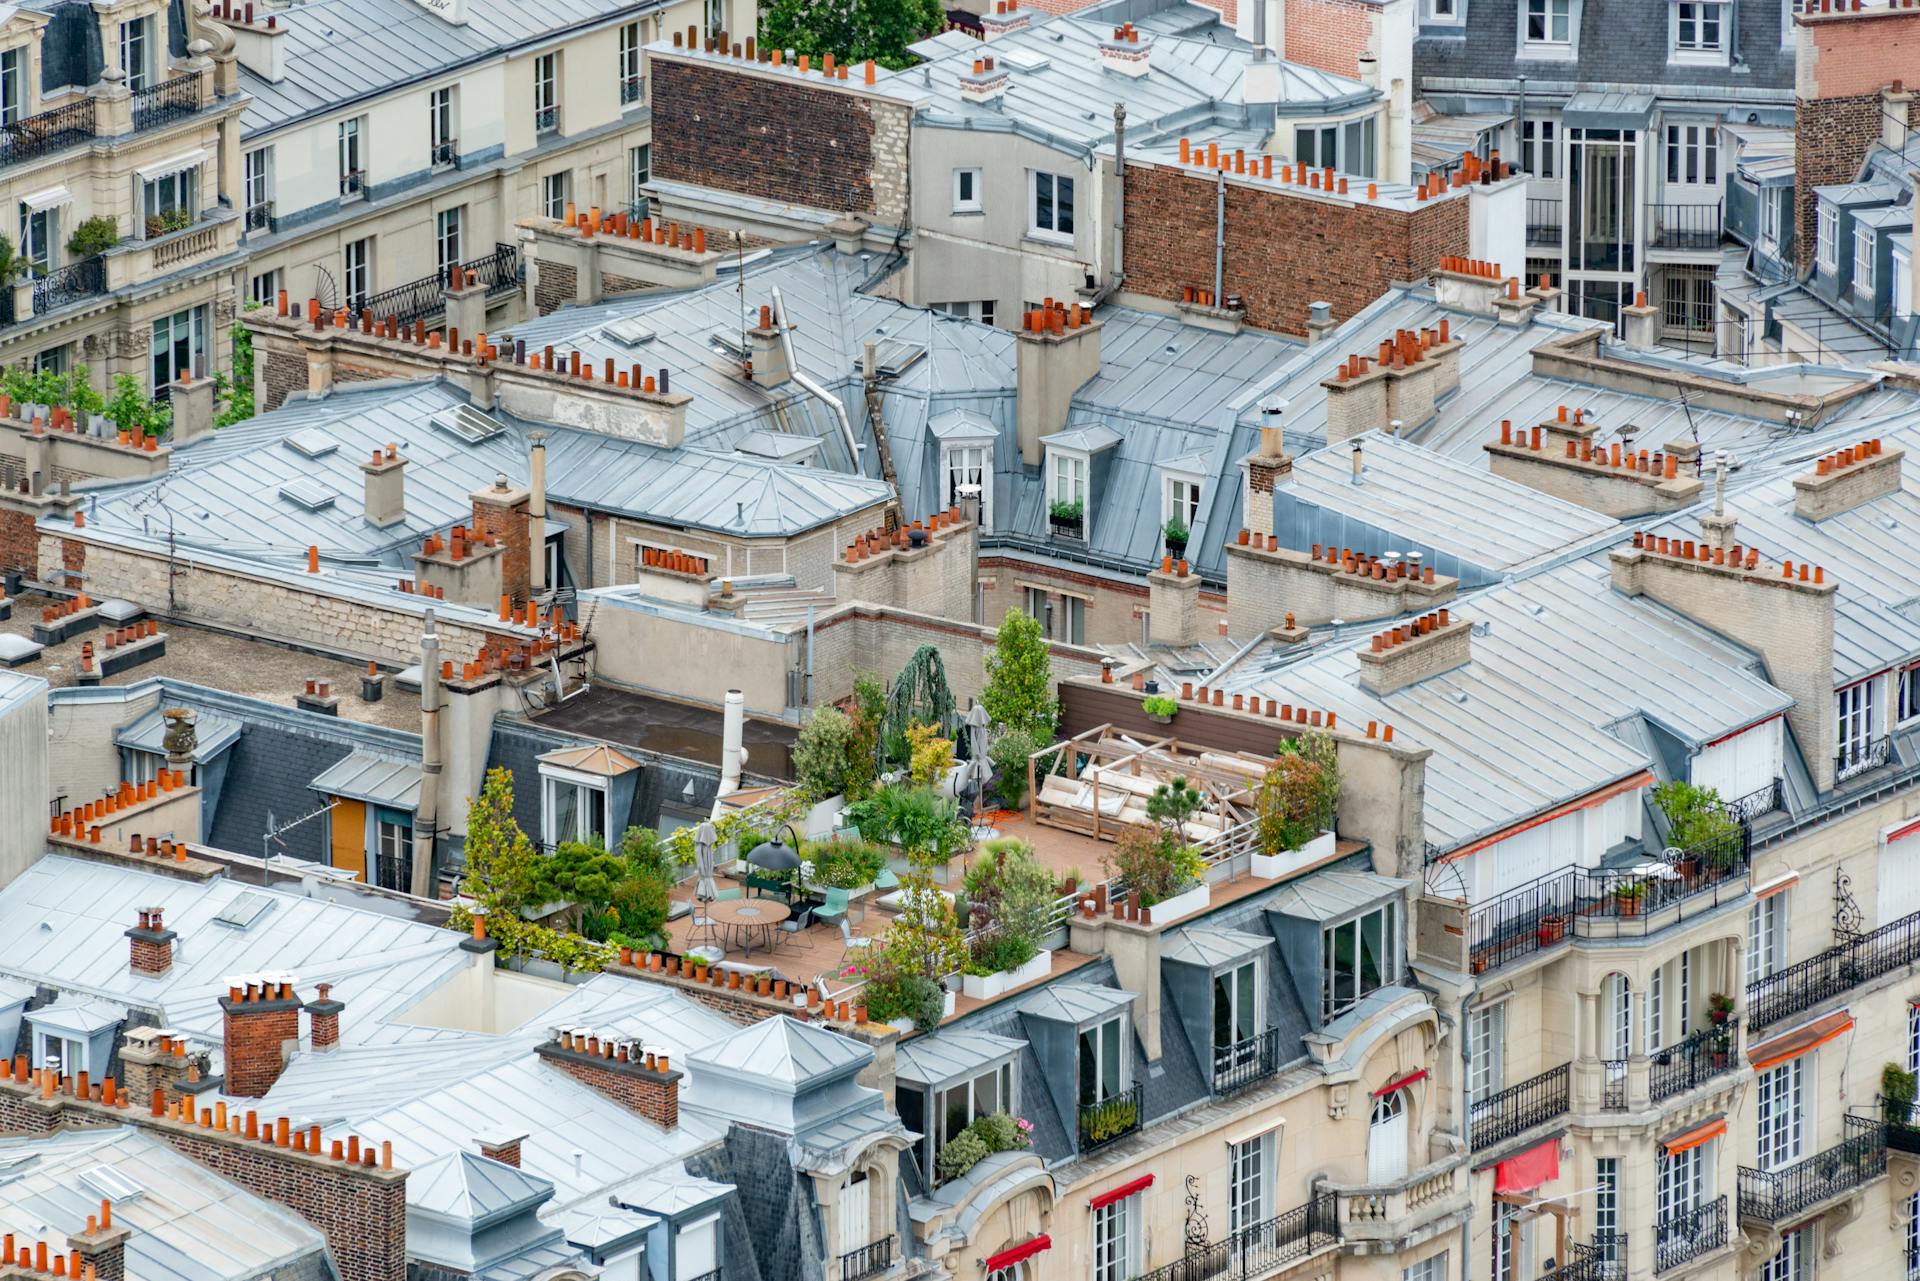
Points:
[[94, 236], [920, 695], [997, 952], [1000, 1132], [1697, 821], [1173, 803], [236, 393], [1010, 895], [892, 994], [1159, 705], [962, 1152], [929, 755], [500, 858], [1898, 1085], [1061, 510], [844, 864], [71, 390], [747, 826], [1175, 530], [823, 754], [851, 29], [522, 940], [1105, 1120], [1019, 691], [1008, 755], [918, 819], [11, 263], [135, 412], [1158, 865], [869, 710], [1287, 804], [165, 224]]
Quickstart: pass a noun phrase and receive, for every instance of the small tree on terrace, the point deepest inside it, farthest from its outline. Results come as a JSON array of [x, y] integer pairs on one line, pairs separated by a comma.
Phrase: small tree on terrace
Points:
[[500, 858], [1019, 692]]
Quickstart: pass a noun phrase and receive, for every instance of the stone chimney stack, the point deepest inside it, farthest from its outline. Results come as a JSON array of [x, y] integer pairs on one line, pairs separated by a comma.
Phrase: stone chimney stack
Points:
[[1403, 655], [386, 495], [1847, 478], [261, 1015], [1058, 351], [1173, 603]]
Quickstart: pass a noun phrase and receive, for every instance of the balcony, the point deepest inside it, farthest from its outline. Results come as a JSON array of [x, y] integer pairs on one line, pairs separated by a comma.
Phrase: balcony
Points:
[[1109, 1120], [166, 102], [868, 1261], [1684, 227], [353, 183], [1858, 758], [1259, 1249], [1902, 1126], [1763, 800], [546, 120], [1689, 1235], [418, 299], [1603, 1260], [632, 89], [261, 217], [1235, 1067], [1391, 1212], [46, 133], [1543, 222], [70, 284], [1834, 972], [445, 154], [1518, 1108], [1607, 903], [1782, 1196], [178, 248], [1696, 1059]]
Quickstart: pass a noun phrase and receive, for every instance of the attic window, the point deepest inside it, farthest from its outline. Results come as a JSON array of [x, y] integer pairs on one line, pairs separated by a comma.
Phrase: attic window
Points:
[[630, 332], [1026, 60], [111, 1183], [311, 442], [308, 494], [468, 424], [894, 356], [244, 910]]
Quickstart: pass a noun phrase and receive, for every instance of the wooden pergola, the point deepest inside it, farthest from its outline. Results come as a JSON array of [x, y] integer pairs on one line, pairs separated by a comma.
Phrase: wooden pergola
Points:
[[1109, 793]]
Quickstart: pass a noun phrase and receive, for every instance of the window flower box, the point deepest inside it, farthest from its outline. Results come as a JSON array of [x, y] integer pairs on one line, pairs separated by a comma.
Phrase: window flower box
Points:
[[1272, 867]]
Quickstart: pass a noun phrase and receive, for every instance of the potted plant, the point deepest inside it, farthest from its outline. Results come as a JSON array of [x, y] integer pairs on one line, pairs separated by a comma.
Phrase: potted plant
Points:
[[1898, 1087], [1552, 928], [1009, 898], [1175, 533], [1699, 829], [1160, 708], [1294, 806], [1627, 897], [1067, 518], [95, 235]]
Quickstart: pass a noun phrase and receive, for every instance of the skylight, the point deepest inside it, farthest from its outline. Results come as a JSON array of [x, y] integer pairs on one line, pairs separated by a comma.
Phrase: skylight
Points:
[[308, 493], [311, 442], [468, 424], [244, 910]]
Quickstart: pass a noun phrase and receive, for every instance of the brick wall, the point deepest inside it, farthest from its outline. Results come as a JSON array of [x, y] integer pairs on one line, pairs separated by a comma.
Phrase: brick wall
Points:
[[644, 1091], [254, 1031], [508, 522], [282, 372], [18, 541], [1831, 137], [1843, 61], [555, 287], [775, 138], [1283, 251], [1329, 34]]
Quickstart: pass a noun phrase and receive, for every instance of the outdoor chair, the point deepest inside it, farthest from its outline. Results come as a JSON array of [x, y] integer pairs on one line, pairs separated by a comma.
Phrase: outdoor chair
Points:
[[800, 920], [853, 948], [834, 909]]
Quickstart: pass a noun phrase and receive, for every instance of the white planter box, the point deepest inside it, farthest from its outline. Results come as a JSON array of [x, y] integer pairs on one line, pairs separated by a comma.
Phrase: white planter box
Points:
[[948, 1012], [984, 987], [1183, 904], [1273, 867]]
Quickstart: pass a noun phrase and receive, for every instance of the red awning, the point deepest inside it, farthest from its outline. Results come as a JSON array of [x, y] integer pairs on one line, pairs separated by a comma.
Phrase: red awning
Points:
[[1538, 1164], [1410, 1078], [1007, 1258], [1122, 1192]]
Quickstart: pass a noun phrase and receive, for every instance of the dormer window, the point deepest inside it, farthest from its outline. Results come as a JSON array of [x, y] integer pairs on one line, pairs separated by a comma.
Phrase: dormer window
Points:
[[1769, 216], [575, 810], [1446, 13], [1826, 238], [585, 793], [1863, 261], [1236, 1019], [1067, 492], [1109, 1106], [1698, 31], [696, 1250], [1358, 956], [136, 52], [1548, 22]]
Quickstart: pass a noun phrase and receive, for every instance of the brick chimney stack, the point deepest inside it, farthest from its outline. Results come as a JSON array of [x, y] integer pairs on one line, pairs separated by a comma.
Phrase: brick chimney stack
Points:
[[103, 1245], [502, 1146], [501, 510], [152, 951], [323, 1019], [261, 1015], [636, 1078]]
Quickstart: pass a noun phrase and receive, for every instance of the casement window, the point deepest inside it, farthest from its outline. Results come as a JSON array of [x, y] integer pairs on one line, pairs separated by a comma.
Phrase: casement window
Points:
[[1486, 1051], [1433, 1268], [1902, 291], [1826, 236], [13, 85], [1503, 1269], [443, 129], [1073, 620], [1387, 1137], [56, 360], [353, 167], [179, 346], [1769, 216], [393, 849], [1656, 1008], [1693, 154], [1052, 205], [1863, 270], [264, 289], [1357, 957], [966, 467], [1913, 1237], [1606, 1209], [556, 190], [632, 85], [1793, 1260], [1069, 478], [1616, 1016], [575, 809], [1913, 1037], [356, 279], [1103, 1062], [716, 15], [1857, 725], [38, 233], [1537, 138], [1681, 1187], [1347, 148], [1766, 937], [446, 239], [966, 190], [136, 53], [68, 1055], [257, 179], [1039, 608], [1548, 22], [1780, 1127], [168, 200], [1116, 1240], [546, 93], [639, 173], [1445, 13], [1699, 31], [1249, 1182], [1180, 500], [1236, 1015], [958, 1106]]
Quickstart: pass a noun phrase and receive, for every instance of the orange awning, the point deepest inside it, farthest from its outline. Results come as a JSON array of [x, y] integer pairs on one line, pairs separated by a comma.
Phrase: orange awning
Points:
[[1791, 1045], [1778, 885], [1703, 1133]]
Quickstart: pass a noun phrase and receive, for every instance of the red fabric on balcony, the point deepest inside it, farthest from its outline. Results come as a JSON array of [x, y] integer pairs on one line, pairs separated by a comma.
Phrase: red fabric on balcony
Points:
[[1007, 1258], [1527, 1171]]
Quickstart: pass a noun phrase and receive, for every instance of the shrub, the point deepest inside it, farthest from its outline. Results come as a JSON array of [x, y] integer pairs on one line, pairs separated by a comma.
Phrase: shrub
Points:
[[94, 236], [1899, 1086], [1173, 803], [998, 952], [1154, 863], [1019, 691], [1159, 705], [1067, 511], [1011, 891], [930, 756], [1175, 530], [11, 263], [133, 411], [893, 994], [1008, 755], [1697, 820], [823, 754], [844, 864], [962, 1152], [1287, 804], [1000, 1132], [868, 711]]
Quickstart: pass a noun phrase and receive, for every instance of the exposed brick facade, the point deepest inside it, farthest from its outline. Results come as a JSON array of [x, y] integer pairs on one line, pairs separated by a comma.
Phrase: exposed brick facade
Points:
[[555, 286], [1831, 137], [775, 138], [254, 1032], [1843, 62], [1330, 34], [508, 522], [151, 947], [73, 555], [1283, 251], [652, 1094], [18, 540]]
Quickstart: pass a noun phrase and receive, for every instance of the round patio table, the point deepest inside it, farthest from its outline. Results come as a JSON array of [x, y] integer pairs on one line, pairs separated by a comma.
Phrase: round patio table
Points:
[[748, 915]]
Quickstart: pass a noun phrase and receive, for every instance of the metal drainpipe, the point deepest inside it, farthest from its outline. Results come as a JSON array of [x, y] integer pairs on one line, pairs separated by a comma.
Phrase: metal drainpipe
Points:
[[815, 389], [426, 816], [1219, 235], [537, 583], [1119, 197]]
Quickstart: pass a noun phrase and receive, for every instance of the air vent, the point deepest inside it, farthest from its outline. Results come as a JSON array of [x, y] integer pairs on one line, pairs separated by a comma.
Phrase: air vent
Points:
[[245, 910], [729, 343], [630, 332], [310, 494], [894, 356], [311, 442], [111, 1183], [468, 424]]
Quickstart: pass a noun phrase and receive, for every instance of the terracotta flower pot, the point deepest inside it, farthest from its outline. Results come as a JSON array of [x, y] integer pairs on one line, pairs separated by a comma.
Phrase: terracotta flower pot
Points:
[[626, 956]]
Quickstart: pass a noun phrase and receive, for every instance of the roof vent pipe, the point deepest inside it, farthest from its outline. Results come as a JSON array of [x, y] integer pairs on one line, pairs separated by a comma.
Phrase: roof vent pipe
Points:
[[733, 753], [812, 388]]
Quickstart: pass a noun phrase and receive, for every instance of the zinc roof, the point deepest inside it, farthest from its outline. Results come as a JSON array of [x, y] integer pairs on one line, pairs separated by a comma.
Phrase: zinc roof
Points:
[[363, 776], [785, 1052], [212, 734], [934, 1060]]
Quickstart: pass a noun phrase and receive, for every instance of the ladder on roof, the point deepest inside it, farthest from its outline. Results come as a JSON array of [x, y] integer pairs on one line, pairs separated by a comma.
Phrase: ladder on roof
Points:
[[877, 421]]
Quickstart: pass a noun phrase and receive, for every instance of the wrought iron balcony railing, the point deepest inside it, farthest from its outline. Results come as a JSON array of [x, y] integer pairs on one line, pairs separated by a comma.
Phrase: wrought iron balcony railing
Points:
[[1837, 970], [1110, 1119], [1762, 800], [546, 119], [261, 217], [1858, 758], [1684, 1237], [84, 279], [1519, 1108], [353, 183], [45, 133], [445, 154], [1683, 226], [1235, 1067], [868, 1261], [1543, 221], [169, 100], [498, 271], [1780, 1196], [1694, 1060], [1604, 1260], [632, 89], [1260, 1248]]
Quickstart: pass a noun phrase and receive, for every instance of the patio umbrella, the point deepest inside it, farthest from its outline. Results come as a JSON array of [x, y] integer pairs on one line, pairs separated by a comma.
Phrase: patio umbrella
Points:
[[978, 771], [704, 839]]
